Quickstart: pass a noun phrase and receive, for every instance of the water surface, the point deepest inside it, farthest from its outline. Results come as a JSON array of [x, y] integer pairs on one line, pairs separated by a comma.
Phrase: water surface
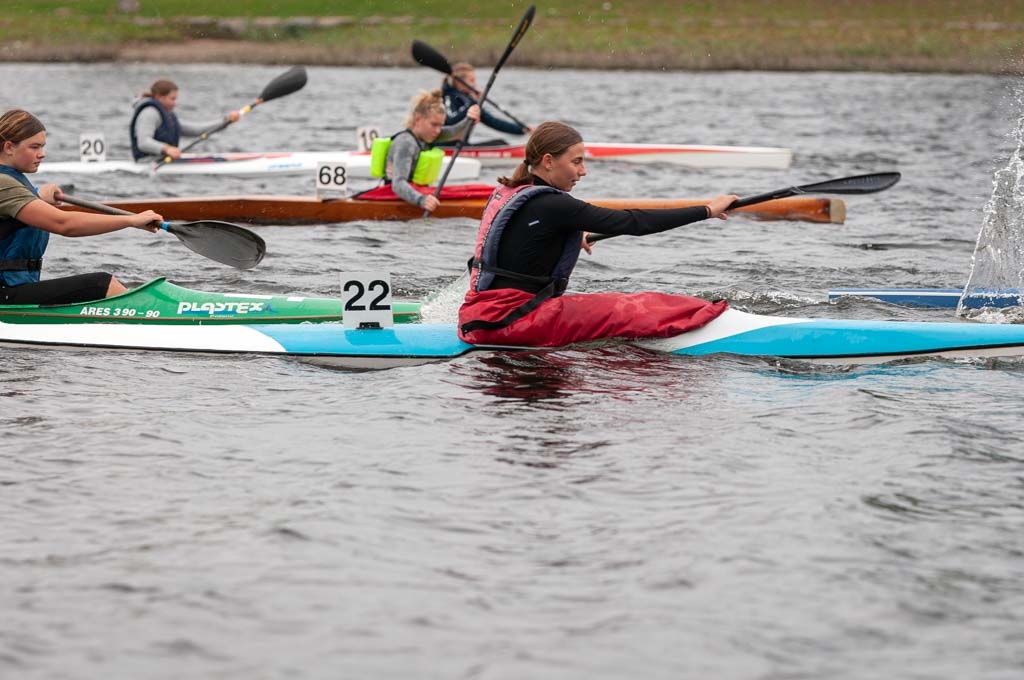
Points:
[[601, 513]]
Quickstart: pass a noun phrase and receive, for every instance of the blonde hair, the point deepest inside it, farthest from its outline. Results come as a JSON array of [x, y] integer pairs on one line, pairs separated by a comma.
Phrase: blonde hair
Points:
[[160, 88], [425, 104], [17, 125], [550, 137]]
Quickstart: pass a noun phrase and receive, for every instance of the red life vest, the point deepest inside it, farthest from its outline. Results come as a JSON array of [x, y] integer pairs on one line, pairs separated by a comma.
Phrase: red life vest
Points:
[[499, 210], [483, 267]]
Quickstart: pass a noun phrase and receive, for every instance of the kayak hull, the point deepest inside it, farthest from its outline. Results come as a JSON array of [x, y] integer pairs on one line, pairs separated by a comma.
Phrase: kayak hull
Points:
[[688, 155], [942, 298], [297, 210], [357, 165], [160, 302], [467, 166], [839, 342]]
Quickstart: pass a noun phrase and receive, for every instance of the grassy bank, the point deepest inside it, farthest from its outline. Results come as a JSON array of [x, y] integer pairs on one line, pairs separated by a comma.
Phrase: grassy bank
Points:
[[984, 36]]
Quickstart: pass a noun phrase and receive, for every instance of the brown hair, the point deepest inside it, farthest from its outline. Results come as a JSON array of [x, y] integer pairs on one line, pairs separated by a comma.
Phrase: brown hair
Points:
[[552, 138], [424, 104], [160, 88], [17, 125]]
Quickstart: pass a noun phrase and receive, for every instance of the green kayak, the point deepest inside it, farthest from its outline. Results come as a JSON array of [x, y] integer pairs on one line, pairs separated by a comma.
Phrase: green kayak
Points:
[[161, 302]]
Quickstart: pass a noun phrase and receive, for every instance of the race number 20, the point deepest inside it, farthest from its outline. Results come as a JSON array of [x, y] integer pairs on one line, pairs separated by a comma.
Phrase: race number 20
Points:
[[92, 148]]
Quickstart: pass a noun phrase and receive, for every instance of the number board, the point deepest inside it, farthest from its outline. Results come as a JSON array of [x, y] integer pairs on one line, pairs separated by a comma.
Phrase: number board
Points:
[[331, 177], [92, 148], [366, 300], [365, 137]]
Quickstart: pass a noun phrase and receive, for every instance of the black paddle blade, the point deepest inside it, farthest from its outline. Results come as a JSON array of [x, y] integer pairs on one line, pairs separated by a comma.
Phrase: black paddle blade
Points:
[[222, 242], [292, 80], [858, 184], [429, 57]]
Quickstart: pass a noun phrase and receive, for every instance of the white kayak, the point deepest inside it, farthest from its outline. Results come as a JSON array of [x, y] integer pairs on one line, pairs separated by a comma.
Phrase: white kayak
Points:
[[497, 152], [734, 332], [357, 165]]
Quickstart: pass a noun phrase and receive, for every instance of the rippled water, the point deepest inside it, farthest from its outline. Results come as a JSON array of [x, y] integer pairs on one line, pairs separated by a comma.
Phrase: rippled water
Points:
[[602, 513]]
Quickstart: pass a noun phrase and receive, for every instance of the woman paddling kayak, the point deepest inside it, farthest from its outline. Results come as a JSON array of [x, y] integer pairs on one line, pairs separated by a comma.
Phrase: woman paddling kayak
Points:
[[527, 246], [408, 159], [155, 131], [459, 93], [28, 216]]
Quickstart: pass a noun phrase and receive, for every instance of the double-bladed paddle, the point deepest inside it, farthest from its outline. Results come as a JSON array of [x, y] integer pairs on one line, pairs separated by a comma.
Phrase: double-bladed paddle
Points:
[[857, 184], [222, 242], [290, 81], [431, 58], [524, 24]]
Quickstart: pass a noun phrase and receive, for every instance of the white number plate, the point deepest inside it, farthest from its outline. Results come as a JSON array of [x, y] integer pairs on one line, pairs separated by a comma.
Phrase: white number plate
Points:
[[366, 300]]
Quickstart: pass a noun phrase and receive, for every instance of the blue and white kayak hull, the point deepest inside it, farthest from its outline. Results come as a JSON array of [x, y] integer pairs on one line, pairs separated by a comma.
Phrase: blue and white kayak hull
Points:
[[734, 332]]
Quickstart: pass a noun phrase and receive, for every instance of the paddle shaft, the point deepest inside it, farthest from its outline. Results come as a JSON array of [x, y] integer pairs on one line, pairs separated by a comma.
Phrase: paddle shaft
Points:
[[490, 101], [524, 24], [222, 242], [857, 184], [100, 208]]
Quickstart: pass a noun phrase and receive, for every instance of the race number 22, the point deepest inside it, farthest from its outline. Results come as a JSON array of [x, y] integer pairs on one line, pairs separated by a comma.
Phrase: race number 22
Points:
[[366, 300]]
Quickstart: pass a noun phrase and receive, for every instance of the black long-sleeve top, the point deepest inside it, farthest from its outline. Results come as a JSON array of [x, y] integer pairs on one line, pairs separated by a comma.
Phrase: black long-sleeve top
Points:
[[536, 235], [457, 104]]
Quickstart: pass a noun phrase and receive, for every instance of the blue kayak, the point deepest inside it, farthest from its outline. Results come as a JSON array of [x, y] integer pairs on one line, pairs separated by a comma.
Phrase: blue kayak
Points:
[[734, 332], [945, 298]]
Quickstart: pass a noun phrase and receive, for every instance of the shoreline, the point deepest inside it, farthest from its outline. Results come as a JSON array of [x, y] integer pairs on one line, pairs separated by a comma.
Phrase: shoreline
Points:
[[197, 51]]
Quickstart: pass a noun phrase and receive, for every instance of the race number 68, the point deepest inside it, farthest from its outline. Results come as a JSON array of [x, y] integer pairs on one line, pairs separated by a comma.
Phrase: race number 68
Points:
[[331, 176]]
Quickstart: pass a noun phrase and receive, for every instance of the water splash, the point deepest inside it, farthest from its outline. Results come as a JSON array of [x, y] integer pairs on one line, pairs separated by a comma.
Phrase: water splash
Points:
[[998, 260], [442, 306]]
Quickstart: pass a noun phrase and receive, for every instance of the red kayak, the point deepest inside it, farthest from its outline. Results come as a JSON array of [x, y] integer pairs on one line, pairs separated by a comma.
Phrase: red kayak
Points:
[[498, 152]]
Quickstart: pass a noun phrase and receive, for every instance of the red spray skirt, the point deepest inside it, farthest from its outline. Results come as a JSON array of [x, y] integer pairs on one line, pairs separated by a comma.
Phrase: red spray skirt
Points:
[[591, 316], [449, 192]]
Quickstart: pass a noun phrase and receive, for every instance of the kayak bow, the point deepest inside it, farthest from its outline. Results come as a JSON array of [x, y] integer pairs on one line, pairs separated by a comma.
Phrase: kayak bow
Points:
[[160, 302]]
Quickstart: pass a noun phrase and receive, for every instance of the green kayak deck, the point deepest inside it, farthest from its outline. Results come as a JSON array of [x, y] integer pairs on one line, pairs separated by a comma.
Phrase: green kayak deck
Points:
[[160, 301]]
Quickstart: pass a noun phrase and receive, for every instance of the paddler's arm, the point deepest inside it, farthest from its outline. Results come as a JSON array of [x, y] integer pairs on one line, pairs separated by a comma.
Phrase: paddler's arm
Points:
[[642, 222], [566, 210], [42, 215], [196, 129], [456, 131]]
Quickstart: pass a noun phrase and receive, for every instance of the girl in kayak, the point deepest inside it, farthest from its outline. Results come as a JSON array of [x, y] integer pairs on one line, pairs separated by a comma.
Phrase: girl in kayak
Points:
[[155, 129], [408, 159], [460, 93], [28, 217], [527, 246]]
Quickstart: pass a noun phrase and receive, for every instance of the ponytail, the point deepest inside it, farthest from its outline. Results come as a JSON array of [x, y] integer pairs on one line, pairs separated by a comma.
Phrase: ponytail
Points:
[[521, 176]]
